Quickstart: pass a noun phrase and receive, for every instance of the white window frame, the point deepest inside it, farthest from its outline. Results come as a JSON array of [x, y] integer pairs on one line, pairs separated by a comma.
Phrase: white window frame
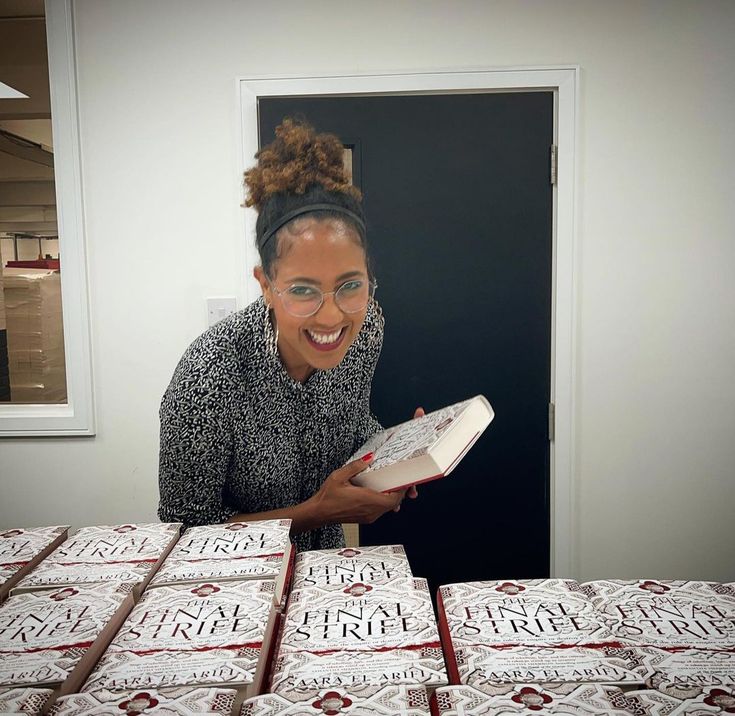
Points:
[[564, 82], [76, 416]]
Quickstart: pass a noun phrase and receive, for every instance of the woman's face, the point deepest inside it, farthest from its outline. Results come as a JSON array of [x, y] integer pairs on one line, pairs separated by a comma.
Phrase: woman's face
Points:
[[323, 254]]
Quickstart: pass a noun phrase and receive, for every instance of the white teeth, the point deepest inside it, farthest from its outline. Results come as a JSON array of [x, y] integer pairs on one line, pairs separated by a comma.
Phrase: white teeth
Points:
[[325, 338]]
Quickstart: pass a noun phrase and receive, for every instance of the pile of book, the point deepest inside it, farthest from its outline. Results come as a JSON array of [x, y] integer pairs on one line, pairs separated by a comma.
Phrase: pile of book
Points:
[[359, 636], [22, 549], [557, 646], [88, 632], [227, 620], [67, 598]]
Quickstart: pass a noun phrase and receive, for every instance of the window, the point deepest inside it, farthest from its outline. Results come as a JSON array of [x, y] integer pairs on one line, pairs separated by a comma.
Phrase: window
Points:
[[41, 231]]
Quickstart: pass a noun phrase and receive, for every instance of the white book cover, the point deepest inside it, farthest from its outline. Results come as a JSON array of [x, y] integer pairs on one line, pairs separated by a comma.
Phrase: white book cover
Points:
[[684, 673], [726, 591], [537, 612], [302, 675], [484, 667], [654, 703], [364, 634], [338, 568], [27, 701], [606, 592], [527, 699], [424, 448], [236, 550], [43, 635], [365, 701], [183, 701], [666, 614], [191, 634], [121, 553], [362, 616], [20, 546]]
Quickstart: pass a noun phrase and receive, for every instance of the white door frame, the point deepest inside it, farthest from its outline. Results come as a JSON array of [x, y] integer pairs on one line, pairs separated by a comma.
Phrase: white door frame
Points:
[[564, 82]]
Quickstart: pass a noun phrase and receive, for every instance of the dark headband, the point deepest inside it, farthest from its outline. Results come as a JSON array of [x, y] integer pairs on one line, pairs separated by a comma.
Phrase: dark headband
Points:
[[307, 209]]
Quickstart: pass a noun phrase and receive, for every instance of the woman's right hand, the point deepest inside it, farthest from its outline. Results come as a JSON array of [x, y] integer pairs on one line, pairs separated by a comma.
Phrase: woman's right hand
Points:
[[338, 500]]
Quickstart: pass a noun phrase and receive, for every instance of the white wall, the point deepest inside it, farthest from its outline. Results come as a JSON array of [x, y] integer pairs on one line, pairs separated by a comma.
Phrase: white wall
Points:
[[655, 437]]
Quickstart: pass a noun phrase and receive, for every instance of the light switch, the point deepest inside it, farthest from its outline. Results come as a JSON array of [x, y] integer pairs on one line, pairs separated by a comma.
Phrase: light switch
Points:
[[219, 308]]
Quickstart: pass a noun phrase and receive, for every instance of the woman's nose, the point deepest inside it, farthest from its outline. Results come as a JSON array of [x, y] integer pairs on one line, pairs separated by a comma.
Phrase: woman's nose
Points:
[[329, 311]]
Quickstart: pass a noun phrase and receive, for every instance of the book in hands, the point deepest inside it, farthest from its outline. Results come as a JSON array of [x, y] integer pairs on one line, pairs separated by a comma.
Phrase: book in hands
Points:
[[424, 448]]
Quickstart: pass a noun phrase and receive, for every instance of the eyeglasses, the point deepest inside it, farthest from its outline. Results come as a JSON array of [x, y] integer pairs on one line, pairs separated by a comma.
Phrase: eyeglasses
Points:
[[303, 301]]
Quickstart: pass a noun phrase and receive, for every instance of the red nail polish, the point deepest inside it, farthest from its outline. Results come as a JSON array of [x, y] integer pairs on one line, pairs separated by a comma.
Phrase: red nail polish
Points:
[[367, 458]]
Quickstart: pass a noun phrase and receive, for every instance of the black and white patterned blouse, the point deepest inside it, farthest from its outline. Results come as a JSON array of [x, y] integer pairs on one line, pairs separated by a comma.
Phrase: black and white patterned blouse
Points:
[[238, 434]]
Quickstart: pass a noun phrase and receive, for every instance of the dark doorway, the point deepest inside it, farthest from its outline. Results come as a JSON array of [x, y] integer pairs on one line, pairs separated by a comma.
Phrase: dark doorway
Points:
[[459, 206]]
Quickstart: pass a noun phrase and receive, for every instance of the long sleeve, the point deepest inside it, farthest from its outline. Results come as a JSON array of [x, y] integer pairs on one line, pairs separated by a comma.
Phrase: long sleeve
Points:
[[196, 440]]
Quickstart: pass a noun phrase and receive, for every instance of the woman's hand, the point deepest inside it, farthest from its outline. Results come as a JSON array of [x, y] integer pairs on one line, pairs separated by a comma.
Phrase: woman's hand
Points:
[[338, 500]]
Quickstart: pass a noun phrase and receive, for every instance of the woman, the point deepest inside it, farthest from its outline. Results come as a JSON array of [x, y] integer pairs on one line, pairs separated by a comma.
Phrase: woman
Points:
[[265, 408]]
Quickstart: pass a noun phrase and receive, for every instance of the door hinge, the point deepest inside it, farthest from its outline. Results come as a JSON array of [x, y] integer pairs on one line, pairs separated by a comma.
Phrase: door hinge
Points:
[[553, 164], [552, 422]]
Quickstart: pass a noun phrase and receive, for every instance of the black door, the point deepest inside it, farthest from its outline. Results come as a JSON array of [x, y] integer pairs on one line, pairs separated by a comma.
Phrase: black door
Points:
[[459, 208]]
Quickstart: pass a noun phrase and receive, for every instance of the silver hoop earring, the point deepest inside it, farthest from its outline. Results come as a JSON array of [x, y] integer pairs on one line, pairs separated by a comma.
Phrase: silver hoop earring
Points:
[[374, 323], [270, 336], [379, 317]]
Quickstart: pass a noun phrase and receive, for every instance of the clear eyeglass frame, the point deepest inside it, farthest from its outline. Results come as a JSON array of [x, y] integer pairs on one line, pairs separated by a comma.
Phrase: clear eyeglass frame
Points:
[[372, 286]]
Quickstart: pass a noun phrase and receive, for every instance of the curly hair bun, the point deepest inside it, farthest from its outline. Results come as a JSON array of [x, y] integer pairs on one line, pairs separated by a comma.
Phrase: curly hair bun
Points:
[[297, 159]]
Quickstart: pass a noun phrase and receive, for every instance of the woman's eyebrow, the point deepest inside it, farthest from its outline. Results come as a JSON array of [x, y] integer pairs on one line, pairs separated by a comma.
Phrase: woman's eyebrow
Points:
[[350, 274], [342, 277]]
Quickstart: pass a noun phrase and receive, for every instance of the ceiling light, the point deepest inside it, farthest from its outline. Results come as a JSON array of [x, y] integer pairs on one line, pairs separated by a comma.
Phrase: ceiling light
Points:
[[7, 92]]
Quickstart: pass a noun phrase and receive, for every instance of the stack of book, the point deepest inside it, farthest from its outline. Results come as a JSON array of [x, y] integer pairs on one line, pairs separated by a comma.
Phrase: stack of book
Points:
[[357, 622], [232, 552], [115, 554], [527, 631], [213, 634], [202, 635], [557, 646], [53, 637], [22, 549], [79, 636], [682, 633]]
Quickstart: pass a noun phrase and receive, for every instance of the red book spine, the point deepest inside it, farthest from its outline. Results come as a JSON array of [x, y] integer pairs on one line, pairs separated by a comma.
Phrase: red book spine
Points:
[[288, 579], [446, 637], [273, 649]]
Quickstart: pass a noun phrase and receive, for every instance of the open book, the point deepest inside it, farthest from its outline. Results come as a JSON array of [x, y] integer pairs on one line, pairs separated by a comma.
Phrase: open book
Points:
[[425, 448]]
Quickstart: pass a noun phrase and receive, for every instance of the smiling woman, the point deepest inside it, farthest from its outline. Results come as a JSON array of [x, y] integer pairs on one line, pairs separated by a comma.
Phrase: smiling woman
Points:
[[265, 408]]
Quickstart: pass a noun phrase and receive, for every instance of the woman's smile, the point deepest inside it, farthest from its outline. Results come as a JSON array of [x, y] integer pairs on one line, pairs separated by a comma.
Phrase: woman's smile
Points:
[[325, 340]]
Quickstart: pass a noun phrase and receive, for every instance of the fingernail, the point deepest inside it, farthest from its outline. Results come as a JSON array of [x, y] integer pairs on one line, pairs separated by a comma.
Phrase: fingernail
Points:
[[367, 457]]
